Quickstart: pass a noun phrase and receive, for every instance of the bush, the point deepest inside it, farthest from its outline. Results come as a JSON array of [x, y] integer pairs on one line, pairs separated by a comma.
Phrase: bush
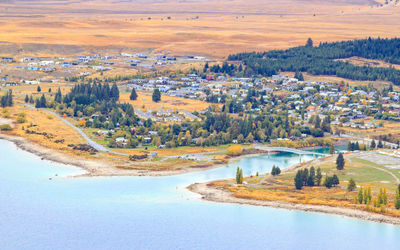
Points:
[[234, 150], [5, 127], [21, 118]]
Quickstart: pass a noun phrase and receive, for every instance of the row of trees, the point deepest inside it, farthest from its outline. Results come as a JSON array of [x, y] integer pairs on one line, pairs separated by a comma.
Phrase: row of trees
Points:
[[310, 178], [7, 99], [239, 176]]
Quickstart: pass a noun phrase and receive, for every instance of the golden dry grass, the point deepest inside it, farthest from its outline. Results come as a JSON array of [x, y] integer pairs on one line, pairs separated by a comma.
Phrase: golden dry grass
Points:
[[222, 27], [45, 123], [167, 102], [281, 188]]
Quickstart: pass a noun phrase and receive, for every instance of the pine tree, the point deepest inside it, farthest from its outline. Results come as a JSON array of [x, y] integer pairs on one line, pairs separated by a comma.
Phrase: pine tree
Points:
[[133, 95], [43, 103], [318, 177], [31, 101], [156, 95], [352, 185], [114, 92], [360, 195], [298, 180], [310, 42], [335, 180], [397, 200], [340, 162], [38, 89], [373, 144], [58, 96], [26, 99], [380, 145]]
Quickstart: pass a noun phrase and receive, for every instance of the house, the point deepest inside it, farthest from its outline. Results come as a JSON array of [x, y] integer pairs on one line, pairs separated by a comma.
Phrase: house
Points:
[[211, 77], [147, 140]]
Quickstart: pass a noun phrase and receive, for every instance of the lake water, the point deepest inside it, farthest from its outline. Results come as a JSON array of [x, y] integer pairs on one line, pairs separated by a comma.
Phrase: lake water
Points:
[[158, 212]]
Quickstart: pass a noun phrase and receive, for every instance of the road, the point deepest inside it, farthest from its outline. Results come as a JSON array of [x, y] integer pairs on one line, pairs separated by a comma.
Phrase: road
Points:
[[89, 141]]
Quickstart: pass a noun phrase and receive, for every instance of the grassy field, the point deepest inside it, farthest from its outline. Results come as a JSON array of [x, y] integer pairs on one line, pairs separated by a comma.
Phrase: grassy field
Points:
[[211, 28], [145, 101], [281, 188]]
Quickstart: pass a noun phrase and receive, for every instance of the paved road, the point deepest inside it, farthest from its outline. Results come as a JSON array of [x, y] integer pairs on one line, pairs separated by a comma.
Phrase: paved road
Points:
[[89, 141]]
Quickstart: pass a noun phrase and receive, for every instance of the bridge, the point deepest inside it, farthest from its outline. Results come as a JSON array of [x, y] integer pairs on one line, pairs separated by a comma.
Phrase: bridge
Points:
[[289, 150]]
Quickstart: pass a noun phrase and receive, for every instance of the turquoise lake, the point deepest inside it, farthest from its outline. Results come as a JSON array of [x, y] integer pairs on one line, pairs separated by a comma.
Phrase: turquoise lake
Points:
[[158, 212]]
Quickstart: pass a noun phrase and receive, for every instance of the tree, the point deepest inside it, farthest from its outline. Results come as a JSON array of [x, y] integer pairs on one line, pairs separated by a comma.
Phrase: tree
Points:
[[335, 180], [298, 180], [360, 195], [26, 99], [397, 200], [58, 96], [328, 182], [380, 145], [331, 149], [38, 89], [239, 176], [133, 95], [43, 103], [310, 42], [275, 171], [311, 177], [373, 144], [299, 76], [340, 162], [352, 185], [234, 150], [156, 95], [318, 177], [114, 92]]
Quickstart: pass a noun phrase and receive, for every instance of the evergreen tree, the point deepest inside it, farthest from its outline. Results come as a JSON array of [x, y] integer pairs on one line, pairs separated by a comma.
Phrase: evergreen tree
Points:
[[38, 89], [58, 96], [318, 177], [43, 103], [352, 185], [397, 200], [310, 42], [114, 92], [335, 180], [26, 99], [373, 144], [133, 95], [340, 162], [298, 180], [380, 145], [49, 90], [360, 195], [31, 101], [156, 95]]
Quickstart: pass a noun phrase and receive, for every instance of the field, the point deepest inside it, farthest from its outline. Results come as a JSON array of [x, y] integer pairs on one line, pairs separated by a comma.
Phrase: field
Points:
[[145, 101], [211, 28], [362, 167]]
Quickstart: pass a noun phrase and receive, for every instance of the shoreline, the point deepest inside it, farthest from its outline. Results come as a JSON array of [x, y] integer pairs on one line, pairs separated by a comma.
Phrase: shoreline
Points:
[[218, 195], [103, 169]]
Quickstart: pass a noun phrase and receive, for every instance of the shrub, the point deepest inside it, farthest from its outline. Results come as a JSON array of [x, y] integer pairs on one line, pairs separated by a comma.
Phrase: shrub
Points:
[[5, 127], [21, 118], [234, 150]]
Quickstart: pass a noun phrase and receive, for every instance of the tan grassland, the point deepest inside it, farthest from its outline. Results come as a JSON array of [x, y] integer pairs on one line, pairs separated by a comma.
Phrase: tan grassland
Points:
[[279, 191], [211, 28]]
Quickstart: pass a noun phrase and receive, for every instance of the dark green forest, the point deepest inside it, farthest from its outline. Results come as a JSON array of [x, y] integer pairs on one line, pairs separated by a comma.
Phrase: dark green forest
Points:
[[320, 60]]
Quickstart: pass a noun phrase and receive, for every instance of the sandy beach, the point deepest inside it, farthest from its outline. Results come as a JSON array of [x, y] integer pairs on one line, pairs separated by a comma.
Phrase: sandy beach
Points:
[[218, 195]]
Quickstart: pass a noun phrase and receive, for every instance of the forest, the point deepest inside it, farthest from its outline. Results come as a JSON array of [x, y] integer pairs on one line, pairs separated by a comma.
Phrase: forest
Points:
[[321, 60]]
